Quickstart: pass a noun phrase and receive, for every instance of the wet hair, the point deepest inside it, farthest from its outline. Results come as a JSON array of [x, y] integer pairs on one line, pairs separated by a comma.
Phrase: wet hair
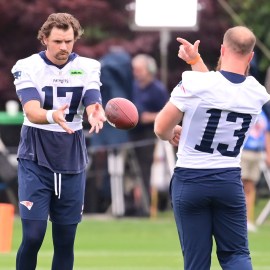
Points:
[[61, 21], [240, 39]]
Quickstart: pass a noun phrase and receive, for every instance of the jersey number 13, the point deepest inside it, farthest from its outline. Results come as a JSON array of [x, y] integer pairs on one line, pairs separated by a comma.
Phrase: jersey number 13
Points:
[[212, 126]]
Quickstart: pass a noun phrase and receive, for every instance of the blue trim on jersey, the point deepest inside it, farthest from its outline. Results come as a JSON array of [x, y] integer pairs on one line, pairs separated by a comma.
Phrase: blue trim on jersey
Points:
[[71, 57], [28, 94], [91, 96], [233, 77]]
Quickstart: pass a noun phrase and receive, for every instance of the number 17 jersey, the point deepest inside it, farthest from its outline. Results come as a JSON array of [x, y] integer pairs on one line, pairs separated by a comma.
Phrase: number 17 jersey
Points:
[[77, 83], [219, 109]]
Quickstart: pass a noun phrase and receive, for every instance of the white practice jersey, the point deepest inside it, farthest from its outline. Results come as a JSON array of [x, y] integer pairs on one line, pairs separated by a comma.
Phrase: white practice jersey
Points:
[[217, 117], [57, 87]]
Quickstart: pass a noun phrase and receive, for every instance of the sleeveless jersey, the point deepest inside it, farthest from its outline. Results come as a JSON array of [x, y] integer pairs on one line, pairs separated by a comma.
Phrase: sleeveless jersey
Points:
[[217, 118]]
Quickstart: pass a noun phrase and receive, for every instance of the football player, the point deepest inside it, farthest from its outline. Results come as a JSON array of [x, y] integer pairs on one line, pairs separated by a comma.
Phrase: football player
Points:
[[216, 109], [54, 86]]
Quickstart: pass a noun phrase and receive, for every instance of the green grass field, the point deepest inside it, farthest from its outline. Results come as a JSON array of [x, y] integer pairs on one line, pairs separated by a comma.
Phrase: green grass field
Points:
[[133, 244]]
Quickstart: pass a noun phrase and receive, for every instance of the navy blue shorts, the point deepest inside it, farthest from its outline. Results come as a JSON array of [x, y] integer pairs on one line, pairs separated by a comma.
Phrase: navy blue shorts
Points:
[[44, 194], [210, 204]]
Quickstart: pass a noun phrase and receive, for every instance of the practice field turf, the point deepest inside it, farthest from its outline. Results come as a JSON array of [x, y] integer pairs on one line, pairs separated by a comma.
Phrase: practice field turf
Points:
[[133, 244]]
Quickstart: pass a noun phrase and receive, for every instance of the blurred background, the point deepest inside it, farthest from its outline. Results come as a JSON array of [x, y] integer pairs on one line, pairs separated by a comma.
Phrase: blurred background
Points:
[[108, 24]]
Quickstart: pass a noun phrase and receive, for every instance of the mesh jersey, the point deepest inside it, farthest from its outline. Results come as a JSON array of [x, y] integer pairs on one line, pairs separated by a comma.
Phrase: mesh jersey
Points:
[[217, 117], [38, 79]]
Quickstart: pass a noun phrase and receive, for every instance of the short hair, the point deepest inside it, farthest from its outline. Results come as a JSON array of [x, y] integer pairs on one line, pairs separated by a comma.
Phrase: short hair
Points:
[[61, 21], [240, 39], [149, 61]]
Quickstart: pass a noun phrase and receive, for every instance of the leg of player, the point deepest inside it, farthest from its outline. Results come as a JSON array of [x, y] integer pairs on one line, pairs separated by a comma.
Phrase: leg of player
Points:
[[63, 241], [33, 234], [65, 214], [230, 224], [194, 221]]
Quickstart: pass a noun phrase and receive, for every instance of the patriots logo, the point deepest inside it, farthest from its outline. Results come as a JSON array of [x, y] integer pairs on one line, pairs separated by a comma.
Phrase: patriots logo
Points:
[[180, 85], [17, 75], [182, 88], [27, 204]]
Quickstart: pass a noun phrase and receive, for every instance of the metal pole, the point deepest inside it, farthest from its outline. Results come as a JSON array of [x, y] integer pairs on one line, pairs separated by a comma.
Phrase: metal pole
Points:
[[164, 41]]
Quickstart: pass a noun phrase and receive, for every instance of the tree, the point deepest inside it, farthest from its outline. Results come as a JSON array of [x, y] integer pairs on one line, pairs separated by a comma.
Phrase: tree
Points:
[[255, 15], [106, 22]]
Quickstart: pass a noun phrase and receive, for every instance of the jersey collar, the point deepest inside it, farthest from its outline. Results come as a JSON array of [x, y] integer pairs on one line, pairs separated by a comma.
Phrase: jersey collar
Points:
[[71, 57], [233, 77]]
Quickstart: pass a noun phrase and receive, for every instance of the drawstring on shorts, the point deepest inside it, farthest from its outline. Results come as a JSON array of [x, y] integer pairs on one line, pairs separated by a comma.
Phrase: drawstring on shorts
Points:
[[57, 192]]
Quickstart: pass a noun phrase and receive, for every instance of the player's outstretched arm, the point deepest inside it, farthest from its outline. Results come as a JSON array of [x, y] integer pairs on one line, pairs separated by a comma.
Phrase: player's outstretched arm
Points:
[[96, 117], [190, 54], [38, 115]]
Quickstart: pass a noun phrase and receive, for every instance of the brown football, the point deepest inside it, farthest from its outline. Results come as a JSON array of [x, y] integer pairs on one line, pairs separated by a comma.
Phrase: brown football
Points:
[[121, 113]]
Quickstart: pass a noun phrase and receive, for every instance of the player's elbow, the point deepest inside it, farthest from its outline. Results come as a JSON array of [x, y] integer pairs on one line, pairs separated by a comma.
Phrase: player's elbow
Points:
[[30, 117], [34, 117], [33, 111]]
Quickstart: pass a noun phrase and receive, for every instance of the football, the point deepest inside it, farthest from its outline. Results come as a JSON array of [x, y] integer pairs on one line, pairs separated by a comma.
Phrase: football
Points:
[[121, 113]]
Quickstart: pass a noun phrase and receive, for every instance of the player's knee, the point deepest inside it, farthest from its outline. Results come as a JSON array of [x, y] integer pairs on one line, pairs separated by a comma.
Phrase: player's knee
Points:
[[33, 232], [64, 235]]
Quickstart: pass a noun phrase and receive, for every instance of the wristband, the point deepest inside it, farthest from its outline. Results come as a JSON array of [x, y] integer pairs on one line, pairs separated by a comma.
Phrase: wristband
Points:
[[195, 60], [49, 116]]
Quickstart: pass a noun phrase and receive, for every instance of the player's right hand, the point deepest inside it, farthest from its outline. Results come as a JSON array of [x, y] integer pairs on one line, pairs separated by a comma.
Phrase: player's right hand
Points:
[[96, 118], [176, 136], [188, 51], [59, 118]]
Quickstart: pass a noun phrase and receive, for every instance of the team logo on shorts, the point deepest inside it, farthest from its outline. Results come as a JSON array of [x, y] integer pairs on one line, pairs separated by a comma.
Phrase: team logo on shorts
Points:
[[27, 204]]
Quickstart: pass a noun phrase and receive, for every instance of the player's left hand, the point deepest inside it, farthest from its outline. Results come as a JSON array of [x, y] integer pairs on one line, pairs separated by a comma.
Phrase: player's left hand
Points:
[[176, 136], [96, 119]]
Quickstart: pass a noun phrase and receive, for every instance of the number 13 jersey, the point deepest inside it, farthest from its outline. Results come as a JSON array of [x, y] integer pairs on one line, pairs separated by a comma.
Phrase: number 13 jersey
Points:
[[219, 109]]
